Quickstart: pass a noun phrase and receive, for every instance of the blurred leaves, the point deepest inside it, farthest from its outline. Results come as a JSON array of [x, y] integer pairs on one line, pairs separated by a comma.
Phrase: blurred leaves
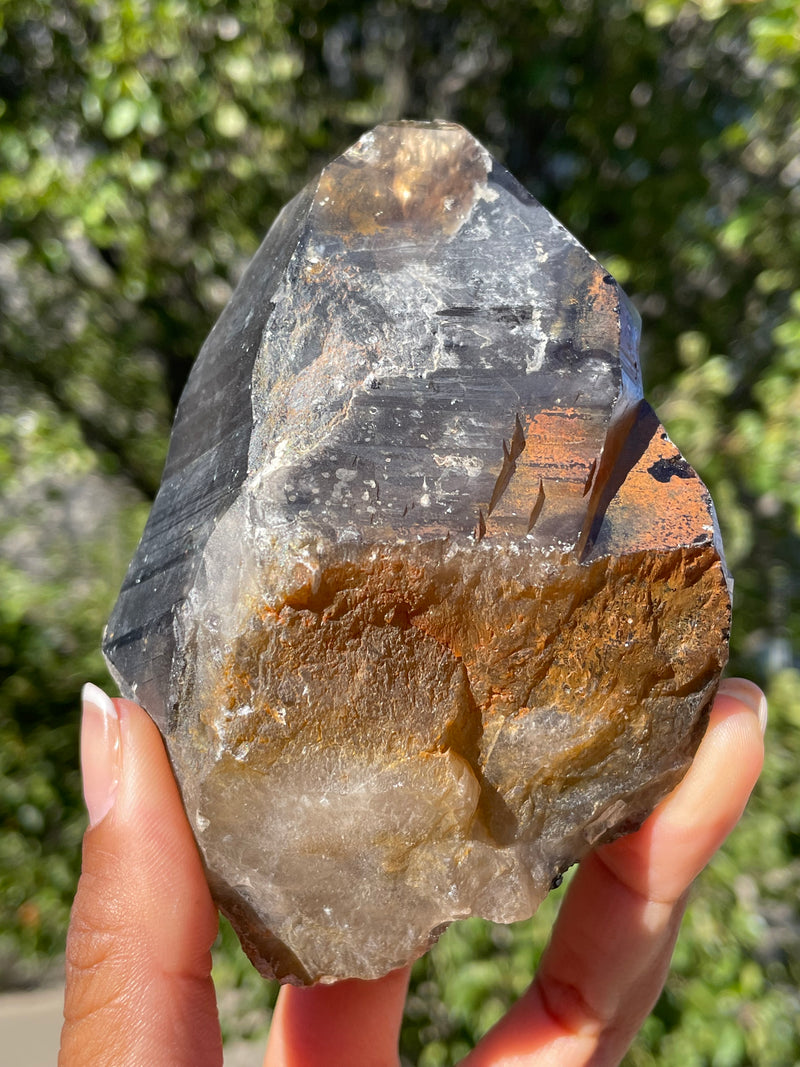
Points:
[[146, 145], [65, 531]]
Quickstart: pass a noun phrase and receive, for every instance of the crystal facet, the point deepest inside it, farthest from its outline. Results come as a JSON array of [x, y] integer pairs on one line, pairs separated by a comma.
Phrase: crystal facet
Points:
[[428, 605]]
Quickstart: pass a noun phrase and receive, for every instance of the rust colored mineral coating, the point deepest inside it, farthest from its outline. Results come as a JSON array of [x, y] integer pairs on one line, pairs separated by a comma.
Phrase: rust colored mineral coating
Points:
[[428, 605]]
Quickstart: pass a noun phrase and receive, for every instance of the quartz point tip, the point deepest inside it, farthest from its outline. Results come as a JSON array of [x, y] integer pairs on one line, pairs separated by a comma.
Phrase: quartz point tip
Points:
[[428, 605]]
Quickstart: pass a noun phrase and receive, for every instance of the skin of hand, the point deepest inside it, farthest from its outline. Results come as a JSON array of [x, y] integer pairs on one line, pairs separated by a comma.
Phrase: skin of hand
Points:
[[139, 987]]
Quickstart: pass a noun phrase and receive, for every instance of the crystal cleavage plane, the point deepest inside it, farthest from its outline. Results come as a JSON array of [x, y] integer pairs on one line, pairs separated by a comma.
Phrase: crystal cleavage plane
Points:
[[428, 605]]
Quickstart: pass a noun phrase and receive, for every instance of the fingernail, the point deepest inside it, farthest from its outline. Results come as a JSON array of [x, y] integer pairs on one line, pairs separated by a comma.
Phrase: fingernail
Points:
[[749, 694], [100, 752]]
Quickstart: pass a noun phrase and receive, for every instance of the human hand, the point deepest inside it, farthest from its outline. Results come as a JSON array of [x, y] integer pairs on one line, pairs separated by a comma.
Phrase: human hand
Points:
[[139, 987]]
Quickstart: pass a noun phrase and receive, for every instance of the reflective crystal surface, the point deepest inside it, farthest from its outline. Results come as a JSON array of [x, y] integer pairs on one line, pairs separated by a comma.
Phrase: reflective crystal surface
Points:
[[428, 604]]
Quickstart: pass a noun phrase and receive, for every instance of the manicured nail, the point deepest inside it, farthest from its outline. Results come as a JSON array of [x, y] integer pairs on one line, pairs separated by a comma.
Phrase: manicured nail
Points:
[[749, 694], [100, 752]]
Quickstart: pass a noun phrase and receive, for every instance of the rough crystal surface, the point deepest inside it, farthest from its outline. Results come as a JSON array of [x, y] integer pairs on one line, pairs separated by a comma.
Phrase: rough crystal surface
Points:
[[428, 604]]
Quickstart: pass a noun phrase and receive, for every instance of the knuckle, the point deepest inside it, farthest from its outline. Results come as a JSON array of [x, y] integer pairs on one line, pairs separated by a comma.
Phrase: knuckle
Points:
[[568, 1007], [99, 948]]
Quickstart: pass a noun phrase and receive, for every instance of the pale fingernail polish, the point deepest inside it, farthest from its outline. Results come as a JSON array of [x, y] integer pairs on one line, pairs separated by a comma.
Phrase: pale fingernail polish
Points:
[[100, 752], [749, 693]]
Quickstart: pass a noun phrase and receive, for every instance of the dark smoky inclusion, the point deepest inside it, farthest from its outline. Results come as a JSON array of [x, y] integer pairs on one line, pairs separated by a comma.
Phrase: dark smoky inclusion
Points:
[[428, 604]]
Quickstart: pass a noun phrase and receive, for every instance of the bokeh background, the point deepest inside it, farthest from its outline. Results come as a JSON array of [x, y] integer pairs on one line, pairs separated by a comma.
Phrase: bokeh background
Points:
[[145, 147]]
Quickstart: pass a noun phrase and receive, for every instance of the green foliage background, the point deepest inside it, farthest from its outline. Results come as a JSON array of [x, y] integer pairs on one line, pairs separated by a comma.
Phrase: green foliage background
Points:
[[146, 145]]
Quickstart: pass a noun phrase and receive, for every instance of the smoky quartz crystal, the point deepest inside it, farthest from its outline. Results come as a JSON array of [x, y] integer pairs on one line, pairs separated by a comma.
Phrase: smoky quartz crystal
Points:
[[428, 605]]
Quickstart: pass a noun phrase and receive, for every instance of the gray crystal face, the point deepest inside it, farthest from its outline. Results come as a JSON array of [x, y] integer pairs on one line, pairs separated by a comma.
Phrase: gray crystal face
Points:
[[427, 604]]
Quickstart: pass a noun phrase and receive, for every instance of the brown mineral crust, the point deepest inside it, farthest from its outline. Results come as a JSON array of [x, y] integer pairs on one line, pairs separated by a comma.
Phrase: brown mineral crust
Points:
[[653, 498], [483, 673], [483, 647]]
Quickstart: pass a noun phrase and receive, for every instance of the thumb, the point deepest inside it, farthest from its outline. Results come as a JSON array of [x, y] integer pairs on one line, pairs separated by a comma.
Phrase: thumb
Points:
[[138, 949]]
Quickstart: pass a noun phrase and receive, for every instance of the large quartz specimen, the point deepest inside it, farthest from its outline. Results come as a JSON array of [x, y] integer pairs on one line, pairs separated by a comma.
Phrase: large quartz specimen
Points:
[[428, 605]]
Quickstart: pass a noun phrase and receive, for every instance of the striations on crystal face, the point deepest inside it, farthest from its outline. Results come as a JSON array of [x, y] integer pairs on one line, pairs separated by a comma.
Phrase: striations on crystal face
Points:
[[428, 605]]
